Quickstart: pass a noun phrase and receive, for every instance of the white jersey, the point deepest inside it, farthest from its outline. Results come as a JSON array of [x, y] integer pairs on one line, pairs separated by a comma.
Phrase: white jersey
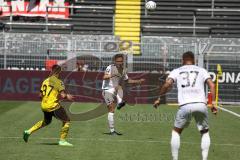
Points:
[[113, 82], [190, 81]]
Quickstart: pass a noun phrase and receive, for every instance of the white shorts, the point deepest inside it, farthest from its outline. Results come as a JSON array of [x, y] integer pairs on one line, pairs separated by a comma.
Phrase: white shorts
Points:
[[110, 95], [197, 110]]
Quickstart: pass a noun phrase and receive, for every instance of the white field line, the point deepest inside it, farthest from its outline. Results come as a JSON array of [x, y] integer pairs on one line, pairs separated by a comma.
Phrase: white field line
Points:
[[126, 140], [231, 112]]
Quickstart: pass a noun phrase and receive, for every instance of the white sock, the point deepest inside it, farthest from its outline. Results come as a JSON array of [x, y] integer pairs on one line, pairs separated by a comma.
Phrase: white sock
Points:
[[205, 144], [119, 95], [175, 144], [111, 121]]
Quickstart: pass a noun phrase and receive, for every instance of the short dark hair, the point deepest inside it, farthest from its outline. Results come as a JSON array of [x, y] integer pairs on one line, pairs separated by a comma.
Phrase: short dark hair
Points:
[[56, 69], [118, 56], [188, 55]]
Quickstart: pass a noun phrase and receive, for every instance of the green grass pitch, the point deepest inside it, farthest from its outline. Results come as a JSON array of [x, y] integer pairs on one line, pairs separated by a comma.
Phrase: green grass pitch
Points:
[[146, 135]]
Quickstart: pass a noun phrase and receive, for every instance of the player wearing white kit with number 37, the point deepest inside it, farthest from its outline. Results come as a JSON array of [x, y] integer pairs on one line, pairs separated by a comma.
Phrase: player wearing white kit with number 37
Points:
[[191, 81]]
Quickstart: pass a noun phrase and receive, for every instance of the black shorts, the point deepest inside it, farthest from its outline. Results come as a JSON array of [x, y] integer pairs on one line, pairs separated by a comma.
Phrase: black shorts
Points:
[[59, 113]]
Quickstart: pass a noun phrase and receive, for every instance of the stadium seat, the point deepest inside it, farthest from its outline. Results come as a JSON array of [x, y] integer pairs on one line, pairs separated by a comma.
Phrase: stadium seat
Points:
[[180, 13], [86, 20]]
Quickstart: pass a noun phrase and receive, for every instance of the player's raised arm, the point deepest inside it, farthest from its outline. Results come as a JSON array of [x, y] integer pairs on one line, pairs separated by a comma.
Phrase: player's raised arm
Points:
[[138, 81], [108, 76]]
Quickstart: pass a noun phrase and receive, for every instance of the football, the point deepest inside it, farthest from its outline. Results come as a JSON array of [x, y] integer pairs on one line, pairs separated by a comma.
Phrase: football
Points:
[[151, 5]]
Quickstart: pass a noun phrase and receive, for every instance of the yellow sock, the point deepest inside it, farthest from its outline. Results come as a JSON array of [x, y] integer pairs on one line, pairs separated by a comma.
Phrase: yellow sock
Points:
[[36, 126], [64, 131]]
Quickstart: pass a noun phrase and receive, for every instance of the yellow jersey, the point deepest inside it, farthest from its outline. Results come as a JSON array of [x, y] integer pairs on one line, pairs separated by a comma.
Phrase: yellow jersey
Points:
[[50, 89]]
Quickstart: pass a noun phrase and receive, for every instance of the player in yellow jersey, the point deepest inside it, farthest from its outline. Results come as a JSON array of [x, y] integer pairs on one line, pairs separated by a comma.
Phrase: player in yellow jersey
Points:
[[52, 88]]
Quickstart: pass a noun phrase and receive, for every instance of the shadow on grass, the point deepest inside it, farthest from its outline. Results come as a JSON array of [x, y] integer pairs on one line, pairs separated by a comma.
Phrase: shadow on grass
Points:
[[118, 134], [49, 143]]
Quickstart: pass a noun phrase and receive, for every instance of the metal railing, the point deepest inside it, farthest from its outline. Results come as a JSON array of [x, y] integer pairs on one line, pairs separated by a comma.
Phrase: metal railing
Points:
[[159, 55], [194, 27], [71, 26]]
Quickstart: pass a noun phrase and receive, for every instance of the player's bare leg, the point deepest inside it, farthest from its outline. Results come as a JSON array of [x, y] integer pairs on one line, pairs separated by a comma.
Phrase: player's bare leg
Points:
[[175, 142], [205, 143]]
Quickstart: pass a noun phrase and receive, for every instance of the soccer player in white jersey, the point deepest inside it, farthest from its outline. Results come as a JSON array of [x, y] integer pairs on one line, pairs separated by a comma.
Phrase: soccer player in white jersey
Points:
[[190, 81], [112, 79]]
